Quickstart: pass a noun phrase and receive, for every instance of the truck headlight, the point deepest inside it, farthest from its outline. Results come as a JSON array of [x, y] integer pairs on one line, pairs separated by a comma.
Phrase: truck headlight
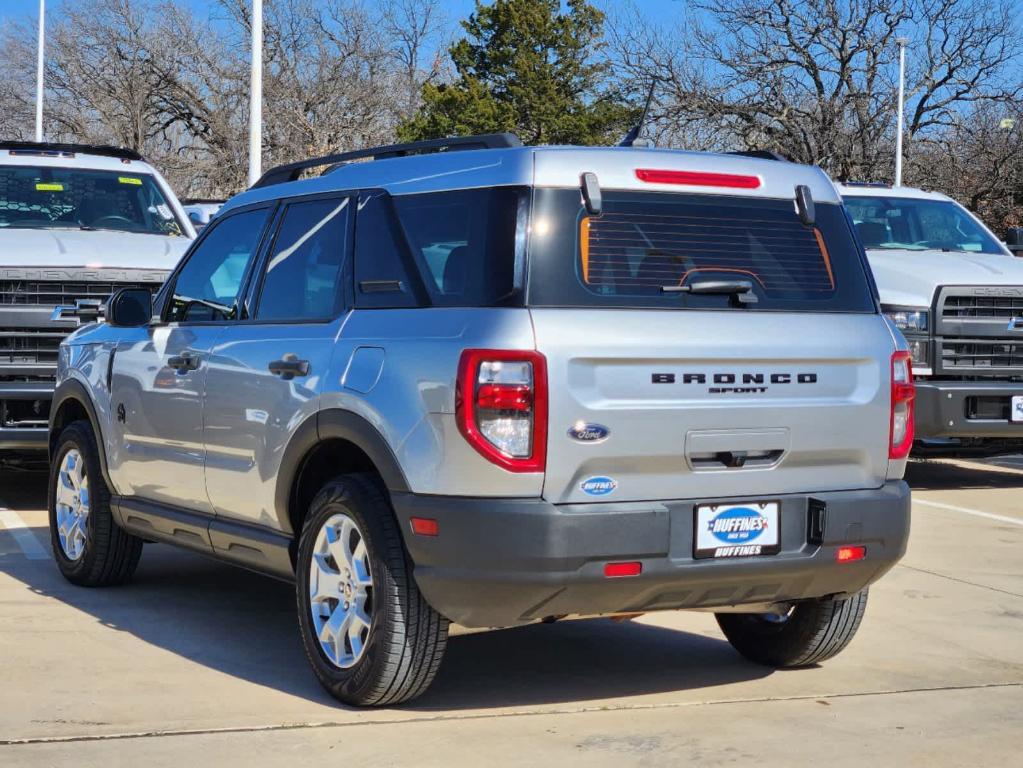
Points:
[[909, 320], [914, 322]]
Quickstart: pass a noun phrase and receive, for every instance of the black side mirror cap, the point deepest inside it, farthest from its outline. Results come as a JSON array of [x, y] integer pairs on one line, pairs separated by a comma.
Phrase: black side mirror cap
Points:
[[130, 308], [1014, 240]]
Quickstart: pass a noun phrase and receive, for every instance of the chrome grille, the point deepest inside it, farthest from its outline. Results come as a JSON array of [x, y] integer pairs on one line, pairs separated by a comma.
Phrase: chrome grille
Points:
[[29, 346], [981, 354], [53, 292], [997, 307]]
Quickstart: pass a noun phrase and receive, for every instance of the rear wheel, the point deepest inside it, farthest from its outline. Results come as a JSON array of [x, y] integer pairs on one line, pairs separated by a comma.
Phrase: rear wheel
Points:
[[91, 550], [809, 633], [371, 637]]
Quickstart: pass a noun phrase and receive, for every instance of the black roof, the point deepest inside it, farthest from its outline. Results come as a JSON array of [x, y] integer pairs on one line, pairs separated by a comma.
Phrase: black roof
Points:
[[43, 147]]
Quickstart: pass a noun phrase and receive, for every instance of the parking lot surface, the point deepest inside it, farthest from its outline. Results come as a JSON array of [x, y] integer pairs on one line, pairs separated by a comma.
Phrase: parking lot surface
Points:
[[198, 663]]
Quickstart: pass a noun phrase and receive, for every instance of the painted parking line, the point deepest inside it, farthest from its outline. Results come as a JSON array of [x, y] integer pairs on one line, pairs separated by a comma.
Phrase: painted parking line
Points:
[[968, 511], [23, 535]]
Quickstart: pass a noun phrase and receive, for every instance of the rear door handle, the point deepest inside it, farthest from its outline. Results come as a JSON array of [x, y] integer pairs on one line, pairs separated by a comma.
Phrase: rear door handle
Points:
[[289, 367], [185, 362]]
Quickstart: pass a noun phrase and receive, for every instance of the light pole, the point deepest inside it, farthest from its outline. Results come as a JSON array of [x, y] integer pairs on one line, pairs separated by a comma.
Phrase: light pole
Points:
[[901, 41], [256, 94], [39, 70]]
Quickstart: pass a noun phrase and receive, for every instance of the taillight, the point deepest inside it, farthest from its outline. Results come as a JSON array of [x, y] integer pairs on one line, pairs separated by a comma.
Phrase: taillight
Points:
[[501, 406], [903, 392]]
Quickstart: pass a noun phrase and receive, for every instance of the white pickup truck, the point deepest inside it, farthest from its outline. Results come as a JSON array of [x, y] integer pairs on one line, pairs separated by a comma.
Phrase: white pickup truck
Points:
[[76, 222], [956, 292]]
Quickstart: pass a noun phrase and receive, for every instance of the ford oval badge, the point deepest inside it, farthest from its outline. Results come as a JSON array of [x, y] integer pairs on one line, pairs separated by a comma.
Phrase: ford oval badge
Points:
[[588, 433]]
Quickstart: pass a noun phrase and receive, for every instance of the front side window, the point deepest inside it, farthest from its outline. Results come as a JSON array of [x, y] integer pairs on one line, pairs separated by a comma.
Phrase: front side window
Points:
[[302, 276], [209, 284], [73, 198], [911, 224]]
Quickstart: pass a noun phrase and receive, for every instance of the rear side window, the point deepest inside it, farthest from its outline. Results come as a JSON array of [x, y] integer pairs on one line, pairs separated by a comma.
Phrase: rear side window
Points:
[[463, 248], [302, 275], [644, 243]]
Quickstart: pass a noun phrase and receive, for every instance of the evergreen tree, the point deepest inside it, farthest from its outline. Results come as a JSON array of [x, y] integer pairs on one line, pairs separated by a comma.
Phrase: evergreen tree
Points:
[[529, 68]]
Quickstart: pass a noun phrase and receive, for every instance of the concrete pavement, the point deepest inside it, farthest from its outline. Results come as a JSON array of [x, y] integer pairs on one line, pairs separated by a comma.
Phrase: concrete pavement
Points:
[[200, 663]]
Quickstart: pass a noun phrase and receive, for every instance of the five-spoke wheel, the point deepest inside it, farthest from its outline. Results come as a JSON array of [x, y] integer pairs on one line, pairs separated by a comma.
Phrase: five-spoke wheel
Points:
[[341, 590], [72, 504]]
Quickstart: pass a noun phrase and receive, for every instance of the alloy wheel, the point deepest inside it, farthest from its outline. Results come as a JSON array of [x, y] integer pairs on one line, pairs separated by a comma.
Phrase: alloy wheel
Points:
[[72, 501], [341, 591]]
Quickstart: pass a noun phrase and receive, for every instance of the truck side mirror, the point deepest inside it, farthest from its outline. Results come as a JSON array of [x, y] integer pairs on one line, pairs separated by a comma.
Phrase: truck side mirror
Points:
[[130, 308], [1014, 239]]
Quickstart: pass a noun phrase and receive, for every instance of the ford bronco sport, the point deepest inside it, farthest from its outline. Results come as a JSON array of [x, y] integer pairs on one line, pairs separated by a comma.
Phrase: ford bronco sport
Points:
[[956, 293], [76, 223], [465, 380]]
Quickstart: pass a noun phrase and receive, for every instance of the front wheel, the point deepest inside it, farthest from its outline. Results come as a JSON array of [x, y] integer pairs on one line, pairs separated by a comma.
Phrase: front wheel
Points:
[[91, 550], [811, 632], [371, 637]]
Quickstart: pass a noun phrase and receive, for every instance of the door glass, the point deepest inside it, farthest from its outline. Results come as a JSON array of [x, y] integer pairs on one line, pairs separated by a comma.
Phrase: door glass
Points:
[[208, 286], [302, 278]]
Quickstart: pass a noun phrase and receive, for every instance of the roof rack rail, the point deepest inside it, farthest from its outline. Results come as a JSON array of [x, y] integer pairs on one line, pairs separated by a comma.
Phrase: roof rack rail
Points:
[[872, 184], [761, 154], [291, 171], [57, 148]]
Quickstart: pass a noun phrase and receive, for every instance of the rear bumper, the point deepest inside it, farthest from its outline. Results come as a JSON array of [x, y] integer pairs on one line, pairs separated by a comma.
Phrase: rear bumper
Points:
[[966, 409], [500, 562], [24, 411]]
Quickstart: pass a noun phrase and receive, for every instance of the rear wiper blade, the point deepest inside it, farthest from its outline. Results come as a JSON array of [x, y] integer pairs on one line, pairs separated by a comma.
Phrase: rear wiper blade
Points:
[[740, 289]]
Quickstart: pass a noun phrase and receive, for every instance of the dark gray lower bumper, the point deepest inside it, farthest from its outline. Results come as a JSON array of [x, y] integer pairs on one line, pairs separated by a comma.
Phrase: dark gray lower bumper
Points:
[[499, 562], [964, 409], [24, 409]]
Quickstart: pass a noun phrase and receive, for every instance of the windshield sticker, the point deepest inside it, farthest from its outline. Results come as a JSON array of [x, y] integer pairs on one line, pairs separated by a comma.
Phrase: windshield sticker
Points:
[[49, 186], [130, 180]]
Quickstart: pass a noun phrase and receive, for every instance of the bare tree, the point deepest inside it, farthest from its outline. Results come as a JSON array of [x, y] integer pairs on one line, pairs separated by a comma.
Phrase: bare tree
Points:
[[813, 79]]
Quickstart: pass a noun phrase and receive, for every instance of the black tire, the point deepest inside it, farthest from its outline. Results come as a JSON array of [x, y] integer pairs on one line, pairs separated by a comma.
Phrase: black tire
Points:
[[814, 631], [110, 555], [406, 643]]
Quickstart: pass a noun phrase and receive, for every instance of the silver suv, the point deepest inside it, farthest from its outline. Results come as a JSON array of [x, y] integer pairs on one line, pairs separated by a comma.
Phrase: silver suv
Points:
[[470, 381]]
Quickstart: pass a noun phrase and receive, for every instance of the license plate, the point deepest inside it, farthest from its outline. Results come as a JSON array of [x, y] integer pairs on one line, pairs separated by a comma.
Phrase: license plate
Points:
[[746, 529], [1016, 413]]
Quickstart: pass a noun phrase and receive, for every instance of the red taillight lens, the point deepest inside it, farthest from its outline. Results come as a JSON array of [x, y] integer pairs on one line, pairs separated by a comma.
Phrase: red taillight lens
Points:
[[850, 554], [698, 178], [425, 526], [617, 570], [903, 392], [501, 406]]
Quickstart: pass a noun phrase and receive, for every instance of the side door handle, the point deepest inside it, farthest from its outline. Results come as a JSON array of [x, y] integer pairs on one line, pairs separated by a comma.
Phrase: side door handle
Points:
[[184, 362], [289, 367]]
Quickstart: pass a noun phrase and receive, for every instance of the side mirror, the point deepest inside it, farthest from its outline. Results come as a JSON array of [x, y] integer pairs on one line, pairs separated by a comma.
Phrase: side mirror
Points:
[[1014, 239], [130, 308]]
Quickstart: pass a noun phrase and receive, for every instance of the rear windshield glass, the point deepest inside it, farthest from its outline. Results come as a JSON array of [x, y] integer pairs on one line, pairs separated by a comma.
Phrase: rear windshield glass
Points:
[[908, 224], [644, 245], [74, 198]]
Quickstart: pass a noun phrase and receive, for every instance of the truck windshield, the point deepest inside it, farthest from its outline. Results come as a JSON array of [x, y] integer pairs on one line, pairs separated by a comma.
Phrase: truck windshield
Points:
[[910, 224], [678, 251], [75, 198]]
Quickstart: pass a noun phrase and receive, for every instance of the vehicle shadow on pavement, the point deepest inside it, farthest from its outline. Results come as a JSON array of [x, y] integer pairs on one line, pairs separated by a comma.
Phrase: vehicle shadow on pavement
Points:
[[950, 474], [212, 614]]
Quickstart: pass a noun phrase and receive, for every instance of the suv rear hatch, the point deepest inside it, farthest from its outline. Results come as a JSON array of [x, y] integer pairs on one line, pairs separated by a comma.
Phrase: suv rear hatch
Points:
[[656, 393]]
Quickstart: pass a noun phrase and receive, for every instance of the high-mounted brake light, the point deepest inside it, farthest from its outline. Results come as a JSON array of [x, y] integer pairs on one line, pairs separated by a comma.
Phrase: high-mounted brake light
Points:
[[903, 393], [501, 406], [698, 178]]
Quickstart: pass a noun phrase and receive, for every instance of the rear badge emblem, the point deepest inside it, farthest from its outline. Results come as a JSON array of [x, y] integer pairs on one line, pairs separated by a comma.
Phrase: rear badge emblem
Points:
[[588, 433], [598, 486]]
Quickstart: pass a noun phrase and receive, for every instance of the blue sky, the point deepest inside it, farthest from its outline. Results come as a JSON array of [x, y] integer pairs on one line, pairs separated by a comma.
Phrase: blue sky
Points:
[[20, 9]]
